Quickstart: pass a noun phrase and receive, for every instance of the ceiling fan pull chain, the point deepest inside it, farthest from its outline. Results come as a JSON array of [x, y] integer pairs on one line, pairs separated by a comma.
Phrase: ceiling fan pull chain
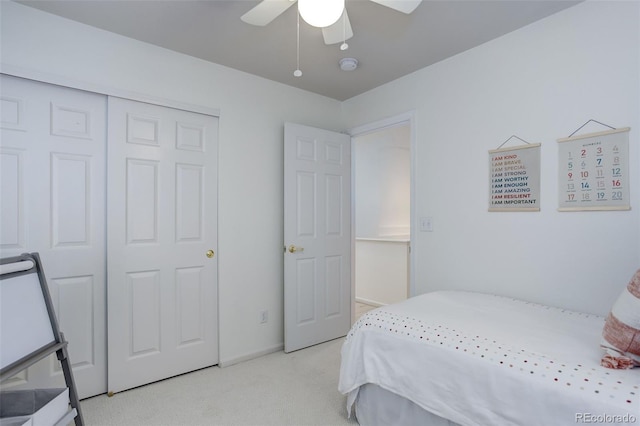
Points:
[[298, 72], [344, 45]]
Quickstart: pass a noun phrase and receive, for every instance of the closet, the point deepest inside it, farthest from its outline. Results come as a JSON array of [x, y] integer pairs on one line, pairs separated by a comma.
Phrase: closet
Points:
[[109, 187]]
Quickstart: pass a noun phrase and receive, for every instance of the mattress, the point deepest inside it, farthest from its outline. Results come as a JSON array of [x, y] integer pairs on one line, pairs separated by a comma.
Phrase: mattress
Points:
[[478, 359]]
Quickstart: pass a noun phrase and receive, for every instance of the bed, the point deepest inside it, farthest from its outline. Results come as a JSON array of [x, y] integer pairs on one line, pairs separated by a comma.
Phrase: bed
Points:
[[465, 358]]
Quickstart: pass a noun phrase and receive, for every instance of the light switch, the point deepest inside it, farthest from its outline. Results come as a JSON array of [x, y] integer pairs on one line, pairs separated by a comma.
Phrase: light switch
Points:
[[426, 224]]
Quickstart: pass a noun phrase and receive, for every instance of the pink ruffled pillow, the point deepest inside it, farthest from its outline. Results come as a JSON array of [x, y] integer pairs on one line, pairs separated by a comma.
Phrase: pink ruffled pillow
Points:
[[621, 334]]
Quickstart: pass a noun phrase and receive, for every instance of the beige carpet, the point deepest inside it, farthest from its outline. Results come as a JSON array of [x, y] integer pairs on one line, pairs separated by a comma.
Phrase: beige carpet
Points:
[[299, 388]]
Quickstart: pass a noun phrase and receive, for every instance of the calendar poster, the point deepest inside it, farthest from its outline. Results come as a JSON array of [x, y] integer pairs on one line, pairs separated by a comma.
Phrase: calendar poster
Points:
[[514, 179], [593, 171]]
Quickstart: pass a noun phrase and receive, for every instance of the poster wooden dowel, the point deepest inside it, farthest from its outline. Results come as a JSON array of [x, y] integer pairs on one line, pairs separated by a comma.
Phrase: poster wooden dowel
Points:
[[593, 209], [523, 209], [531, 145], [594, 134]]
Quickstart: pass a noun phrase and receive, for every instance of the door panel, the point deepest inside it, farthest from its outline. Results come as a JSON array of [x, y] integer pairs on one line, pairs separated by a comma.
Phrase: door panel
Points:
[[52, 149], [318, 227], [142, 201], [11, 165], [162, 200]]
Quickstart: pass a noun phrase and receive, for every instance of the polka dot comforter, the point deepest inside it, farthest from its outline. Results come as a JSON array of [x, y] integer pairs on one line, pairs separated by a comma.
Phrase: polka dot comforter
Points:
[[479, 359]]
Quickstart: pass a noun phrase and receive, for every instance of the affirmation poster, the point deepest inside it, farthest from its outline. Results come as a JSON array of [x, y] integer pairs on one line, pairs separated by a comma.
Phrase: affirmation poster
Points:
[[593, 171], [514, 179]]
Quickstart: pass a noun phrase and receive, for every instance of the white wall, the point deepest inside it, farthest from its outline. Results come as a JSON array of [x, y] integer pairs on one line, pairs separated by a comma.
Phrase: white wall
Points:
[[541, 83], [252, 112], [382, 271], [382, 182]]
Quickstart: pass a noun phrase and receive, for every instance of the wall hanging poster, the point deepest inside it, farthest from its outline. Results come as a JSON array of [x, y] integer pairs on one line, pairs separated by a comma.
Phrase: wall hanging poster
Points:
[[593, 171], [514, 179]]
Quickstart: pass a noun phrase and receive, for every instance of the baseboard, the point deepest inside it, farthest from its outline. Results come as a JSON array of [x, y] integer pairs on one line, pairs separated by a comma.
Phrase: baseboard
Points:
[[369, 302], [252, 355]]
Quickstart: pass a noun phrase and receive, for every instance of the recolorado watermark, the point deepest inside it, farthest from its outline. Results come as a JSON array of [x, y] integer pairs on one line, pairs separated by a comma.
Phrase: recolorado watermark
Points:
[[605, 418]]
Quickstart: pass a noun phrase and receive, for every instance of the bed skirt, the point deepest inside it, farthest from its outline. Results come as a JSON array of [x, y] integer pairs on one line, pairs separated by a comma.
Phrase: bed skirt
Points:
[[376, 406]]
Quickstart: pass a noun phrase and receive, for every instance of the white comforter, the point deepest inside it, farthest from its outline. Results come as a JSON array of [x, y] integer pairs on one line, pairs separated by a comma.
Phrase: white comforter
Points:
[[479, 359]]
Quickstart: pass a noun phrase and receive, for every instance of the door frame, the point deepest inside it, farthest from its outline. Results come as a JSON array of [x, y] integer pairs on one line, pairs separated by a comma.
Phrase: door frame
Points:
[[407, 118]]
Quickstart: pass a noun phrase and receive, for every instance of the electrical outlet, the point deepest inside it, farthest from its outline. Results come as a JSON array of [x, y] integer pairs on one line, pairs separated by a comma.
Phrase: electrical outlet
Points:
[[264, 317]]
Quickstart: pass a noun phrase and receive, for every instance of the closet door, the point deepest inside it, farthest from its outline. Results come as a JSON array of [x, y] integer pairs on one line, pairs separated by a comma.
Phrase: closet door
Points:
[[162, 219], [52, 201]]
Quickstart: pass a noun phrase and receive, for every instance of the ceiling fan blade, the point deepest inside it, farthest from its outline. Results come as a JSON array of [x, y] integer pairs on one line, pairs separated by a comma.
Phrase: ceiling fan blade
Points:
[[338, 32], [404, 6], [266, 11]]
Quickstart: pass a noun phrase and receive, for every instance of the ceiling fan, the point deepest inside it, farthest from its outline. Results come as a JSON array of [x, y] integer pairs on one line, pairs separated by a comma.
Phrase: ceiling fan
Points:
[[337, 31]]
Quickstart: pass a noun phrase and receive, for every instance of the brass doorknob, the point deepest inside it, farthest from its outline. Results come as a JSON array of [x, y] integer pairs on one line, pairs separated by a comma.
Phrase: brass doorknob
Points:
[[210, 253], [293, 249]]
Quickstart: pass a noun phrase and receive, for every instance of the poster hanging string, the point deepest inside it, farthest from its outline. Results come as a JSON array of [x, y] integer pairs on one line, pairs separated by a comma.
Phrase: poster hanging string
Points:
[[595, 121], [511, 137]]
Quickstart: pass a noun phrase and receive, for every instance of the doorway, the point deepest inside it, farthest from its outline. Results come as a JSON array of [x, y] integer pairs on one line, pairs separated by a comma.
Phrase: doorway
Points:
[[382, 182]]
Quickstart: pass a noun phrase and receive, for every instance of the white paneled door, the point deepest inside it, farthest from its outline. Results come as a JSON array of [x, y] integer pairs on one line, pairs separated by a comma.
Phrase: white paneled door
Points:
[[52, 201], [317, 235], [162, 209]]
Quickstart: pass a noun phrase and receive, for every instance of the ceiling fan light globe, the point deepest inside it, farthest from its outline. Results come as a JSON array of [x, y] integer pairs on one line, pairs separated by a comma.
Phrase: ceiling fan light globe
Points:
[[320, 13]]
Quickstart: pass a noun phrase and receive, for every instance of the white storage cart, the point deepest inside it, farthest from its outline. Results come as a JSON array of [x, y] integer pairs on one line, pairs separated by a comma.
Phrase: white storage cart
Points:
[[29, 333]]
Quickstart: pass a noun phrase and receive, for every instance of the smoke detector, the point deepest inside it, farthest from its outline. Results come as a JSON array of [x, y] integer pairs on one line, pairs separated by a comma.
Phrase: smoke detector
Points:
[[348, 64]]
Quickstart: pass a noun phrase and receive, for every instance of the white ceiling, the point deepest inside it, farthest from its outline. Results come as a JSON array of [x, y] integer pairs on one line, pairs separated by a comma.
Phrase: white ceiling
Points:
[[387, 44]]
